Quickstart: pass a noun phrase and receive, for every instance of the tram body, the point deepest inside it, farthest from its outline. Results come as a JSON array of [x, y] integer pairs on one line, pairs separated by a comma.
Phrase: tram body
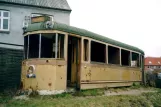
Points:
[[60, 56]]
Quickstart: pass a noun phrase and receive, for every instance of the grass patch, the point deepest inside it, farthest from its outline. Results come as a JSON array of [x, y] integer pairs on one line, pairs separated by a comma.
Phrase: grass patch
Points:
[[154, 98], [80, 99], [7, 95], [97, 101], [92, 92]]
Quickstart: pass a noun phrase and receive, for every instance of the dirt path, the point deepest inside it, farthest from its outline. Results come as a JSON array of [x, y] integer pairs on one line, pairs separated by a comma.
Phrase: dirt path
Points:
[[128, 92], [114, 92]]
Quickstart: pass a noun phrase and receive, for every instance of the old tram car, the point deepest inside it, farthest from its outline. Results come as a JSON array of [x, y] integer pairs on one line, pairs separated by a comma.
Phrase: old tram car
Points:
[[58, 56]]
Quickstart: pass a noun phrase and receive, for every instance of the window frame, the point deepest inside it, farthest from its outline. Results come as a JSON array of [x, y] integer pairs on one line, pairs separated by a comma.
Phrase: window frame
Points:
[[57, 48], [2, 18]]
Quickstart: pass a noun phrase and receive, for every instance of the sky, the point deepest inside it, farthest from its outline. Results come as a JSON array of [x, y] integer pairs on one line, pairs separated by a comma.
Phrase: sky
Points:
[[134, 22]]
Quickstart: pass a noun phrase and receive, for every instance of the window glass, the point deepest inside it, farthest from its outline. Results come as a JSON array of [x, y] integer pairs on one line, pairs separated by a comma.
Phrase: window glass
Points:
[[5, 14], [4, 20], [5, 23], [34, 46]]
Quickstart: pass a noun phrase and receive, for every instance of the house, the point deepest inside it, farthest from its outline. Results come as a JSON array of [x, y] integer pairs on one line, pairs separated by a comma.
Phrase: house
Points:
[[152, 63], [14, 15]]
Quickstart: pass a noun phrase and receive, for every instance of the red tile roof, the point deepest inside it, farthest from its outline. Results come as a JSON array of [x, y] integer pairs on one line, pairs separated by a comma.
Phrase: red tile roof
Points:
[[152, 61]]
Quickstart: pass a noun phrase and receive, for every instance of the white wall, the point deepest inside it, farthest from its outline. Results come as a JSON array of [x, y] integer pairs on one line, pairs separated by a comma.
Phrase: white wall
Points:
[[17, 16]]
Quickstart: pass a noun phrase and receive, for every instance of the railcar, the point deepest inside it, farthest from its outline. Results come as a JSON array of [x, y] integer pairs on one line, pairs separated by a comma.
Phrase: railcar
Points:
[[58, 56]]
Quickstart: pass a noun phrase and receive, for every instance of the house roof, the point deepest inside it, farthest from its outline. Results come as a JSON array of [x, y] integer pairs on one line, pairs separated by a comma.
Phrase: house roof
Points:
[[152, 61], [81, 32], [55, 4]]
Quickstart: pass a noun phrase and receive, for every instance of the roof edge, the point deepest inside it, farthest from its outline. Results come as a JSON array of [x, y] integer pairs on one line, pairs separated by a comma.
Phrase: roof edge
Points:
[[36, 6], [82, 32]]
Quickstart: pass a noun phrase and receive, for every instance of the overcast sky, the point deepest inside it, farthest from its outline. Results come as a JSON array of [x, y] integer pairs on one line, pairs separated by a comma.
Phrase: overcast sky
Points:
[[135, 22]]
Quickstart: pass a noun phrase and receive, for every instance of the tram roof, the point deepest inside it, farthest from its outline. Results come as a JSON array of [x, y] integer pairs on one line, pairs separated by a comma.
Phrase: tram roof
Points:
[[81, 32]]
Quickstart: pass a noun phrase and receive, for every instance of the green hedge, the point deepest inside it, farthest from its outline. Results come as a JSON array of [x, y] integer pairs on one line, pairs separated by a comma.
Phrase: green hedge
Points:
[[10, 68]]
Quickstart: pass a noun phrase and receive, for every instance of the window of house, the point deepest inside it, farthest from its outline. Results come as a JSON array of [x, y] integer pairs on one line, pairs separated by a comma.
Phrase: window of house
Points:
[[155, 67], [125, 57], [4, 20], [86, 49], [113, 55], [98, 52], [37, 14]]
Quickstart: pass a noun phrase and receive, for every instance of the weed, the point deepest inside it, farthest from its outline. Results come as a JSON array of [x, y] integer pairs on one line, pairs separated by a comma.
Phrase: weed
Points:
[[92, 92], [63, 95], [79, 99], [7, 95]]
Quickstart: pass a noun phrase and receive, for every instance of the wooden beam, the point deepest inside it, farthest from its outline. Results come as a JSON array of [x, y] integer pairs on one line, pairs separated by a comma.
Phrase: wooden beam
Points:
[[28, 47], [107, 54], [40, 45], [56, 45], [89, 53], [120, 58]]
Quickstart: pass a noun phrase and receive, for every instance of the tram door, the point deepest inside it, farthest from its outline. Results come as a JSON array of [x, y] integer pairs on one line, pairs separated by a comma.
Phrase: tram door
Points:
[[73, 62]]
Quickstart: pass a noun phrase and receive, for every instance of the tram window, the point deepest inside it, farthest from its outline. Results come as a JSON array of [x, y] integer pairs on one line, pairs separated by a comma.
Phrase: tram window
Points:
[[113, 55], [25, 46], [86, 49], [47, 41], [125, 57], [98, 52], [34, 46], [135, 60], [48, 46], [60, 53]]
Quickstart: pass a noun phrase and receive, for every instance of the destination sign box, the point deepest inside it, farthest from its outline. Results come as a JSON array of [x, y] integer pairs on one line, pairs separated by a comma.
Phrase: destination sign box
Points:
[[40, 19]]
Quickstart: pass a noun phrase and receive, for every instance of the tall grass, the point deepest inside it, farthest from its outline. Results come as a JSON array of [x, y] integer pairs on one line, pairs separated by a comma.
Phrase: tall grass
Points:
[[80, 99]]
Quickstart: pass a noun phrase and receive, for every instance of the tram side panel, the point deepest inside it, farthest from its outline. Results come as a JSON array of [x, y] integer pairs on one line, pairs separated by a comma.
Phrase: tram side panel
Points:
[[102, 75]]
